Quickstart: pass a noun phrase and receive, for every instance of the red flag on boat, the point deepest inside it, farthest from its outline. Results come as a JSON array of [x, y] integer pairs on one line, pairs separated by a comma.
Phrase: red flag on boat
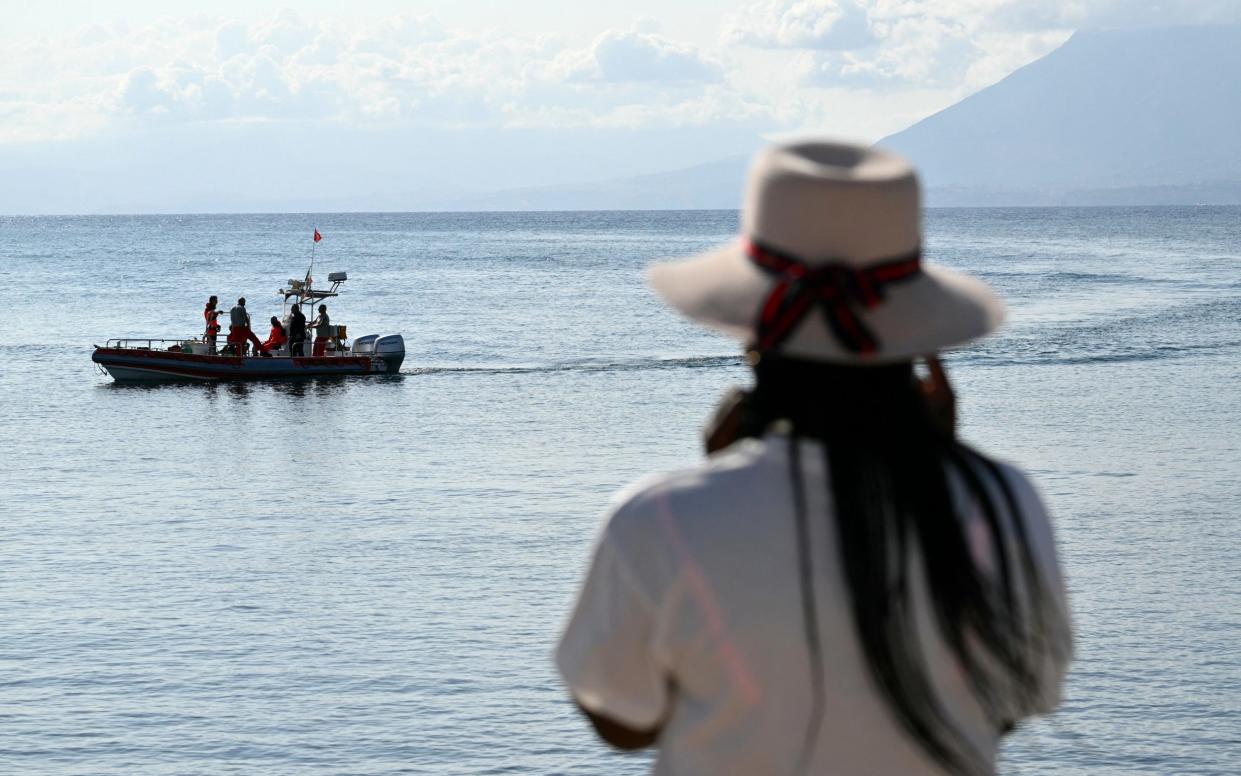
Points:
[[318, 236]]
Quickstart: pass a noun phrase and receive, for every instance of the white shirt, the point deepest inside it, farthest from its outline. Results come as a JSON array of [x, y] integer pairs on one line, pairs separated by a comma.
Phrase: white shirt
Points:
[[695, 582], [323, 326]]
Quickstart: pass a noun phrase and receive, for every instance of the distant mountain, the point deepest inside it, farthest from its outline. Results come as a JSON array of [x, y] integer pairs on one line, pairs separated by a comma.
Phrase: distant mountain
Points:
[[1132, 117], [1147, 116], [312, 167]]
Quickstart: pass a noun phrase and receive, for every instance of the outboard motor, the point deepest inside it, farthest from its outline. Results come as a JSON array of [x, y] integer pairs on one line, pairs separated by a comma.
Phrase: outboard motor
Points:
[[365, 346], [392, 350]]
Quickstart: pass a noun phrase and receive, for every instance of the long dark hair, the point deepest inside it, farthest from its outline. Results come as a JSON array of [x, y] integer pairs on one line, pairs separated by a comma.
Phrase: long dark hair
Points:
[[890, 465]]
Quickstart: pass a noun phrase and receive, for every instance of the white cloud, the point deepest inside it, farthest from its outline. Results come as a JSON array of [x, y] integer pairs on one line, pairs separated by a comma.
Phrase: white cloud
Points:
[[405, 69], [628, 56], [1129, 13], [960, 45], [231, 39], [923, 51], [776, 64], [890, 45], [141, 92], [287, 33], [810, 24]]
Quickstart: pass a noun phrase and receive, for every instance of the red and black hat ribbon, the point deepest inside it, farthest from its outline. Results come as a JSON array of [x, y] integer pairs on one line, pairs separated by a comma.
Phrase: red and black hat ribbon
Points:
[[835, 288]]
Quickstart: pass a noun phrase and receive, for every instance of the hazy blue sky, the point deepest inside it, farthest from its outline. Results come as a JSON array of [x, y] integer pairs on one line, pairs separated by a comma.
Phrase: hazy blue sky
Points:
[[151, 72], [852, 67]]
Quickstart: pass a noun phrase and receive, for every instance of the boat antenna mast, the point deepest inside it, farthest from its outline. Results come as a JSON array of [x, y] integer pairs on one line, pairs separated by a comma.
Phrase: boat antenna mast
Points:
[[302, 292], [313, 244]]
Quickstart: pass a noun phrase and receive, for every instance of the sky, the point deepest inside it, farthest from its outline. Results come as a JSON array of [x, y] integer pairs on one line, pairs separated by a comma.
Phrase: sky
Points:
[[855, 69], [860, 68]]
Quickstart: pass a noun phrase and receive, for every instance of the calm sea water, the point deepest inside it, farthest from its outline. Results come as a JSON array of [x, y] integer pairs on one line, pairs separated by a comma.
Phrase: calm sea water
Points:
[[368, 576]]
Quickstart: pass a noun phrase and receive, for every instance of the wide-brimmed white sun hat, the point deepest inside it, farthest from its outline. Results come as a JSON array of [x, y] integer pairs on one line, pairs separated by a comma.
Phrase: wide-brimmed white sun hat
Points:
[[829, 264]]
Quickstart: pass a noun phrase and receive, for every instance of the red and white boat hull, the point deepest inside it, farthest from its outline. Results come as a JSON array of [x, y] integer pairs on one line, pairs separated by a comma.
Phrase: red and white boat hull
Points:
[[140, 365]]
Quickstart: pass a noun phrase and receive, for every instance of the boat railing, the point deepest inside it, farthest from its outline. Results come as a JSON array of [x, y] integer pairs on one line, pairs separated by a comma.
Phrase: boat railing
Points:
[[145, 343], [338, 347]]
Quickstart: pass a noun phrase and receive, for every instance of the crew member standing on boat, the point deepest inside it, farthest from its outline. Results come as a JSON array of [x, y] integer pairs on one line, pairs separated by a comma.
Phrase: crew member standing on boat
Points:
[[239, 330], [212, 317], [297, 332], [323, 330]]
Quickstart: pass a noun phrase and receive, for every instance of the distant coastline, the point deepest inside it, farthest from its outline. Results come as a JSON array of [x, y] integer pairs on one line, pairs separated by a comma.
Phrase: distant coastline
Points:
[[941, 204], [1222, 194]]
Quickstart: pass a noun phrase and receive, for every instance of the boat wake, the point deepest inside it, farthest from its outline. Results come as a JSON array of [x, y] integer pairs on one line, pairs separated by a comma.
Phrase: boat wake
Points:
[[586, 365]]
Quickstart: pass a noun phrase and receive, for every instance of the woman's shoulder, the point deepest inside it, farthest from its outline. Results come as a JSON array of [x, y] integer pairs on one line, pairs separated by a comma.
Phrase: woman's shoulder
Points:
[[691, 490], [656, 519]]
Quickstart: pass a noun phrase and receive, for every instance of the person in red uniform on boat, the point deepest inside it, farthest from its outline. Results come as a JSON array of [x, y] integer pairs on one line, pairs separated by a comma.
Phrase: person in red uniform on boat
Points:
[[212, 316], [239, 330], [276, 338]]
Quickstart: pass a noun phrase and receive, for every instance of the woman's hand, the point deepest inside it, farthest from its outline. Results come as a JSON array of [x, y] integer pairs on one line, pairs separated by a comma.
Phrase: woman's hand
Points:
[[941, 400], [725, 424]]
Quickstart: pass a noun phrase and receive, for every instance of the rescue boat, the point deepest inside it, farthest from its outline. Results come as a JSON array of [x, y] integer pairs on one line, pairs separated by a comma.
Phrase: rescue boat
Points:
[[156, 359]]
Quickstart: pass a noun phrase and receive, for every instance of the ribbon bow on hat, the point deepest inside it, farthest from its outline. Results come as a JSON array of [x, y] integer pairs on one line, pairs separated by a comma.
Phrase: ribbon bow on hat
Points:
[[835, 288]]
